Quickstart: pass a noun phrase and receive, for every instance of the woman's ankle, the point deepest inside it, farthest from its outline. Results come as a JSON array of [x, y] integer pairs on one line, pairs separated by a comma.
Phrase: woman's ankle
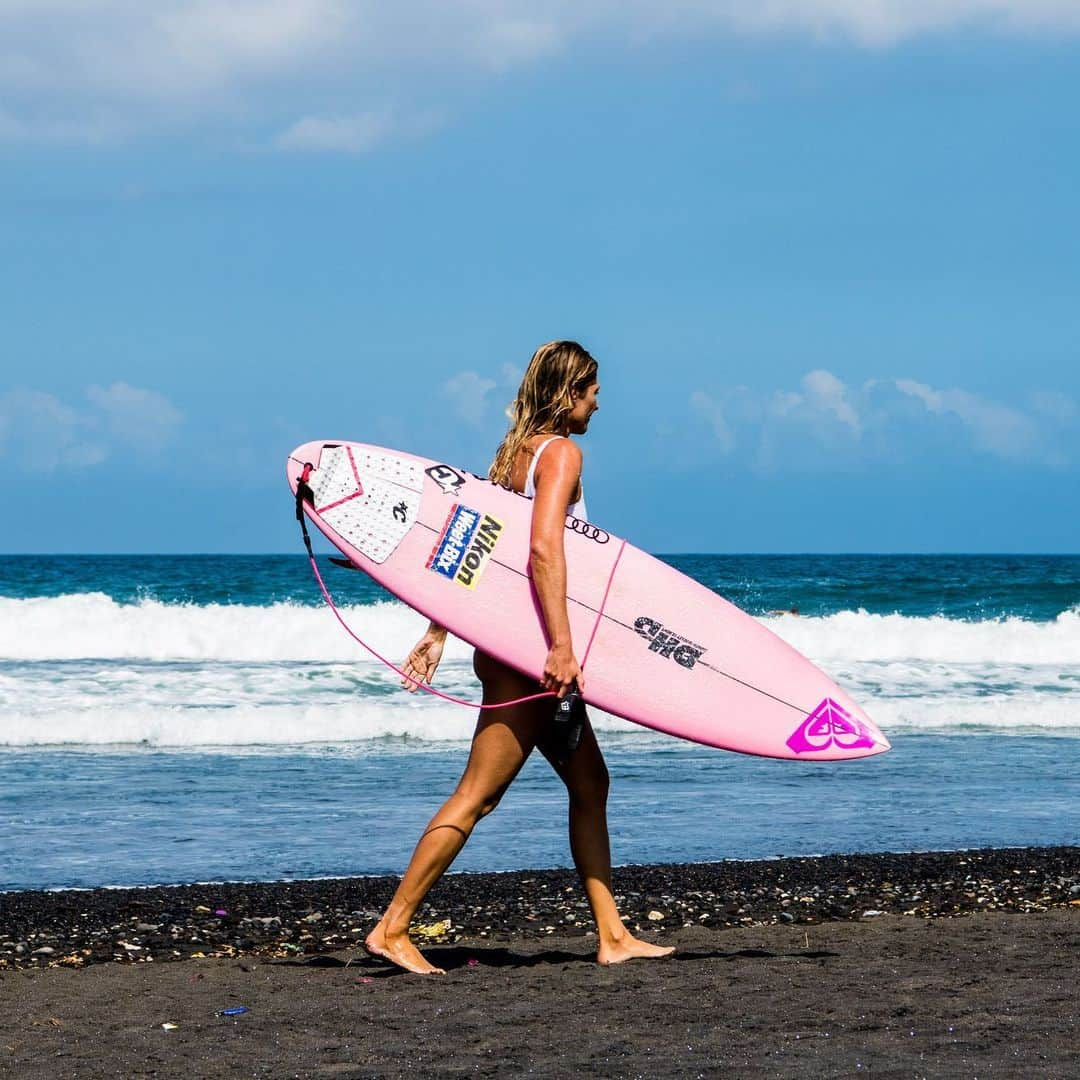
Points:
[[394, 923], [612, 935]]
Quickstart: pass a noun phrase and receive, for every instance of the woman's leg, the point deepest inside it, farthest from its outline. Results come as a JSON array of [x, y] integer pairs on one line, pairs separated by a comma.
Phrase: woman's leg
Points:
[[503, 740], [586, 779]]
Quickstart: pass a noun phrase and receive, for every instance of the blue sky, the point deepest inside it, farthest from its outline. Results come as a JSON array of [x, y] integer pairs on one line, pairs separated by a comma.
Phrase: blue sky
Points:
[[828, 259]]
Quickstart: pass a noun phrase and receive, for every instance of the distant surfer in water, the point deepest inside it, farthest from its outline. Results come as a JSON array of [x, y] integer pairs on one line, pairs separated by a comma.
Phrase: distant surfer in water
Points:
[[557, 398]]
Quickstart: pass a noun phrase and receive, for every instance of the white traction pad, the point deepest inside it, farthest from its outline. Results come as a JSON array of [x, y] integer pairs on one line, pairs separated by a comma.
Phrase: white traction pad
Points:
[[369, 499]]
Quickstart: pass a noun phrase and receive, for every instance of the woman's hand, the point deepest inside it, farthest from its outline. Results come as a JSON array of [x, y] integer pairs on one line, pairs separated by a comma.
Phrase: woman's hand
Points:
[[562, 671], [421, 663]]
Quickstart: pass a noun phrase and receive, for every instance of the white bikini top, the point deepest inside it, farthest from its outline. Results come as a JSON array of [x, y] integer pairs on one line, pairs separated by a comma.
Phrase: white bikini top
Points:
[[575, 509]]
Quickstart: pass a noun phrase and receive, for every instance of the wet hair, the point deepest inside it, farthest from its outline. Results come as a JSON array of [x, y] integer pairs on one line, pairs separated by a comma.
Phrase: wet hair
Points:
[[557, 373]]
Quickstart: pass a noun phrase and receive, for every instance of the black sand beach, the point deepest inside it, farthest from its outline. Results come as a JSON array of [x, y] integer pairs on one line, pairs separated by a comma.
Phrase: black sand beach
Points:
[[941, 964]]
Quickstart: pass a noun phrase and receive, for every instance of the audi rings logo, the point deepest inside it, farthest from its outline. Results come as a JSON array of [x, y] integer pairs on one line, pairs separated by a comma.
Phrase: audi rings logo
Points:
[[590, 532]]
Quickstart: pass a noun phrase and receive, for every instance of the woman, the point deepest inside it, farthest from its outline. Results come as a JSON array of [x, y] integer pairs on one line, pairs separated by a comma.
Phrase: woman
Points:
[[557, 398]]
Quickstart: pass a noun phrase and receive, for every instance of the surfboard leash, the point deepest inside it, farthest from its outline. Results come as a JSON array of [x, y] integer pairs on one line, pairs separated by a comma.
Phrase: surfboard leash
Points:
[[304, 494]]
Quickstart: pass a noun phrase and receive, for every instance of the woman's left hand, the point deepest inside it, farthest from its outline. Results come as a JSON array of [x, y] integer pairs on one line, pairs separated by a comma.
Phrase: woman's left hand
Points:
[[420, 665]]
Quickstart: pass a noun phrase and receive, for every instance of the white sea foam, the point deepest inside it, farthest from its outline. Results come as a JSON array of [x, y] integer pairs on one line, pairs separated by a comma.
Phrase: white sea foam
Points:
[[84, 670], [426, 720], [243, 725], [858, 634], [1003, 714], [432, 721], [92, 625]]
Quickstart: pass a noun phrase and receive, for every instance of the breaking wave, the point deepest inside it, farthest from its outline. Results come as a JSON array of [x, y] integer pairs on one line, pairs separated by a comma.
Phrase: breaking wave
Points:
[[83, 669], [93, 625]]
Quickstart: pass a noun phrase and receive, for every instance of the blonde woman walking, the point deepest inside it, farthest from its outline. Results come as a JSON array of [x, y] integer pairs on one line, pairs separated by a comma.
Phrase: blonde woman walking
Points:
[[557, 399]]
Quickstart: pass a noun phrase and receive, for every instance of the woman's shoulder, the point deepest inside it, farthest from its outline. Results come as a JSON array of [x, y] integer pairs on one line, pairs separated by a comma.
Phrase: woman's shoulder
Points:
[[560, 453]]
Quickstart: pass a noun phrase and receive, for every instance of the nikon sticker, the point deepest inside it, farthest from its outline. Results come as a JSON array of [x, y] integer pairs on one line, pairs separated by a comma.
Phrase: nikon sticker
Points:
[[465, 545]]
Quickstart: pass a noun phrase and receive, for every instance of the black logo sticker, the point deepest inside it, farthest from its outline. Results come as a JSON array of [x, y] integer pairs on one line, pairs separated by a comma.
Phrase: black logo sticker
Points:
[[401, 512], [448, 479], [667, 643], [589, 531]]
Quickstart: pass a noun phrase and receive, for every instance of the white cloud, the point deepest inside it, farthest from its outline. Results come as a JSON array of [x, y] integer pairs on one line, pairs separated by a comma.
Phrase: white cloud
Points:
[[825, 392], [43, 433], [880, 23], [349, 134], [997, 429], [827, 421], [712, 412], [467, 393], [134, 417], [930, 398], [355, 133], [514, 40], [100, 69]]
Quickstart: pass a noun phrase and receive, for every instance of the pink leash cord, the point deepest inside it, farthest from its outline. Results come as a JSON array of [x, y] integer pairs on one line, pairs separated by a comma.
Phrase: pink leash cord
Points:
[[438, 693]]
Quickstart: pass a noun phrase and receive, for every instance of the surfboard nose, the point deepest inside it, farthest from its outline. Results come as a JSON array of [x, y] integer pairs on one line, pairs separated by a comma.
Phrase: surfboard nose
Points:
[[874, 734], [835, 730], [881, 744], [876, 740]]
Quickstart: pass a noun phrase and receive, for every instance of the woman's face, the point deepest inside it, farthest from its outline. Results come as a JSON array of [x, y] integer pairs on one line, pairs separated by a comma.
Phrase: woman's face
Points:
[[585, 405]]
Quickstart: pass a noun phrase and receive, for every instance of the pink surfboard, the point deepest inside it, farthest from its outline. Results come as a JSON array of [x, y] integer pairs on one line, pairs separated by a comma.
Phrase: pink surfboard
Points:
[[662, 650]]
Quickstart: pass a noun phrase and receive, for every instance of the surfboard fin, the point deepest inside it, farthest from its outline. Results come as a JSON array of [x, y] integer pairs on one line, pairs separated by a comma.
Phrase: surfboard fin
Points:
[[348, 564]]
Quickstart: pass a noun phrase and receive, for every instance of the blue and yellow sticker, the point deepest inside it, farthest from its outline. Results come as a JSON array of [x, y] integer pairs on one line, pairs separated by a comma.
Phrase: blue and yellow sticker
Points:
[[464, 548]]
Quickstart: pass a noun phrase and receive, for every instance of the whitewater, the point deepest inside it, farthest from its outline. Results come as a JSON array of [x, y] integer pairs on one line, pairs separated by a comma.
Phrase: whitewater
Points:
[[86, 669]]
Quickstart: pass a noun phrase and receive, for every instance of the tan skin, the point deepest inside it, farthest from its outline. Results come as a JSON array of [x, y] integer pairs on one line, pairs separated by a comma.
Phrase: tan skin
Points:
[[506, 737]]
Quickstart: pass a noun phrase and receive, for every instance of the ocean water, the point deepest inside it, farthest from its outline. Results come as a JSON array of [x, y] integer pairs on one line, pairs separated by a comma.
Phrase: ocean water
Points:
[[167, 719]]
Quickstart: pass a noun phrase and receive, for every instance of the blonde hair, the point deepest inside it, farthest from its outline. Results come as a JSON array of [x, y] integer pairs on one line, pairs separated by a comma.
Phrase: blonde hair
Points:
[[557, 372]]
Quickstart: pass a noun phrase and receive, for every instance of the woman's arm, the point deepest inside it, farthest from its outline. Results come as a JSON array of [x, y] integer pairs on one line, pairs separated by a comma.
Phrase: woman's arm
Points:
[[421, 663], [558, 473]]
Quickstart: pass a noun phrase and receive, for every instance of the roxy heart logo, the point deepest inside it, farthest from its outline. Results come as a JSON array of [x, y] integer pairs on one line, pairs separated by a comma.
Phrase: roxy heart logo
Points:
[[830, 725]]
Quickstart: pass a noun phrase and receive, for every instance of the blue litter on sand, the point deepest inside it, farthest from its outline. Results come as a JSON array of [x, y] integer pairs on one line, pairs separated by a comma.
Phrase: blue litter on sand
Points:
[[236, 1010]]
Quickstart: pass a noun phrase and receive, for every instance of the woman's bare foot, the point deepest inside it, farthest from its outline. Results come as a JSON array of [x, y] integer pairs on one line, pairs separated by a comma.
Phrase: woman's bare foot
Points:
[[398, 949], [629, 947]]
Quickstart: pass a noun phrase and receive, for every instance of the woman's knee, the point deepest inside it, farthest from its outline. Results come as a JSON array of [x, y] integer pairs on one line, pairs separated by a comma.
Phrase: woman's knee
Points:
[[480, 803], [589, 785], [488, 804]]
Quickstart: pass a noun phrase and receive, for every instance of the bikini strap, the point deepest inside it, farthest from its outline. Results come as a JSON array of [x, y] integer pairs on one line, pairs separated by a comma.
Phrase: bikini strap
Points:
[[530, 478]]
